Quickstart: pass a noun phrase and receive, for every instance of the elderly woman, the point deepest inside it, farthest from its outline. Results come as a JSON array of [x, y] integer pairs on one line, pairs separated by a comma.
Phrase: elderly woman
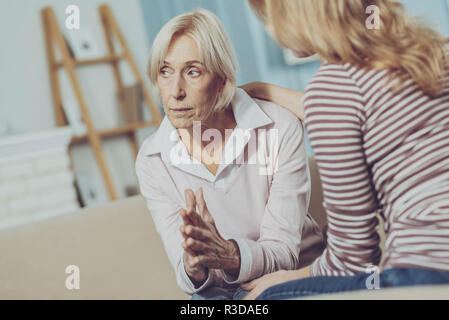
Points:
[[246, 218]]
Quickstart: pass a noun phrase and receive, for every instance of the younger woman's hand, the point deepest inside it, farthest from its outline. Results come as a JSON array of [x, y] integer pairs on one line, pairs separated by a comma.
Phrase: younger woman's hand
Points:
[[259, 285], [286, 98], [256, 89]]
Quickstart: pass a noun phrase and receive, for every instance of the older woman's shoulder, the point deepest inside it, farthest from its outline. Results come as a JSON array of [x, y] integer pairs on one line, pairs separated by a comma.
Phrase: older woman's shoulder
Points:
[[148, 144], [147, 157]]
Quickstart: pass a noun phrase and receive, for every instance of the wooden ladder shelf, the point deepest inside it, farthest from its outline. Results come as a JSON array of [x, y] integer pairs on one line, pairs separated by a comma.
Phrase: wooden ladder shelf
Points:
[[54, 38]]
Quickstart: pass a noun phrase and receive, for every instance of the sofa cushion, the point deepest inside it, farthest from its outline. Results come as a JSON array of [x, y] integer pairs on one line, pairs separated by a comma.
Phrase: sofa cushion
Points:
[[115, 246]]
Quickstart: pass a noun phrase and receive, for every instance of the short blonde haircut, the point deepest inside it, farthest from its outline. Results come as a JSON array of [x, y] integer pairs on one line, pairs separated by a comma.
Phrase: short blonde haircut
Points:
[[336, 31], [215, 48]]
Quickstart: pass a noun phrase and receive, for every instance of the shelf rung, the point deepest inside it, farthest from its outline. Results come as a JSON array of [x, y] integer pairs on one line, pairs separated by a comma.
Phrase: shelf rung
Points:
[[85, 62], [106, 133]]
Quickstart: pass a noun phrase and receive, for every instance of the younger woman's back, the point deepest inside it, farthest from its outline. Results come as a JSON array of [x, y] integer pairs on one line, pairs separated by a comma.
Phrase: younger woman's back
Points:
[[380, 149]]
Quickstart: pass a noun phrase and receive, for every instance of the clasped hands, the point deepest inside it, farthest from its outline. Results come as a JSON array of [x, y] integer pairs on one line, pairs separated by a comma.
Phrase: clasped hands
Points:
[[204, 247]]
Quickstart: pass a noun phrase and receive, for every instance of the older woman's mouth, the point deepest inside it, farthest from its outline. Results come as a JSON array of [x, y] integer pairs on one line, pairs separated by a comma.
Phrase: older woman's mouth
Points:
[[180, 110]]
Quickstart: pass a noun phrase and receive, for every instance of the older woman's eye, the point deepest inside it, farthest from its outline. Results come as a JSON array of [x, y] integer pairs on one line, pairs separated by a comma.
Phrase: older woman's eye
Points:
[[194, 73], [163, 72]]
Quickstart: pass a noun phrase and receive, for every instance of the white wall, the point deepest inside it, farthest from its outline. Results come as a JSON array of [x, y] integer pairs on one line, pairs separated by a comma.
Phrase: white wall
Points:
[[25, 94]]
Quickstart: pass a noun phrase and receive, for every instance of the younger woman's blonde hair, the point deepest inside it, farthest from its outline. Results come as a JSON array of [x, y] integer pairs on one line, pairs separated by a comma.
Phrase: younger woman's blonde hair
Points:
[[215, 48], [336, 31]]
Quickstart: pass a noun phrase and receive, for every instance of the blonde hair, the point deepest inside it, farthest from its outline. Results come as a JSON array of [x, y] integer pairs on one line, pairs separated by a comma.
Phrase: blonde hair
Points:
[[336, 31], [216, 51]]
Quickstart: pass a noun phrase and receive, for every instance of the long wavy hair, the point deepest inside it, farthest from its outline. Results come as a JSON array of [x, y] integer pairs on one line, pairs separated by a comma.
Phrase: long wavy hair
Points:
[[336, 30]]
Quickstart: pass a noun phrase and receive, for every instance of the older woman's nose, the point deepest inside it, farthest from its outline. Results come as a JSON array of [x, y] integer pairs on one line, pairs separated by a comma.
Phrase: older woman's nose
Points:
[[177, 89]]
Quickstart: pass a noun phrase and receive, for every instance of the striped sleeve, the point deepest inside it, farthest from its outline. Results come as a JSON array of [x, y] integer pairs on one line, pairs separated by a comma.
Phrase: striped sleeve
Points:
[[334, 117]]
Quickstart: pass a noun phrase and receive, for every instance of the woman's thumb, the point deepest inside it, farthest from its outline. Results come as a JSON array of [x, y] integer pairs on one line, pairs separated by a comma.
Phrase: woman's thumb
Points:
[[201, 203]]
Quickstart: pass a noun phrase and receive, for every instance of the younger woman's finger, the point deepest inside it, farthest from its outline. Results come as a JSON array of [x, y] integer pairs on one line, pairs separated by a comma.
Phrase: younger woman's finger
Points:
[[250, 285]]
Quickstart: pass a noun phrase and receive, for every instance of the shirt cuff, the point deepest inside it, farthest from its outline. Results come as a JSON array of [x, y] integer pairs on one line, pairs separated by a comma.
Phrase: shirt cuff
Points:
[[189, 284], [251, 260]]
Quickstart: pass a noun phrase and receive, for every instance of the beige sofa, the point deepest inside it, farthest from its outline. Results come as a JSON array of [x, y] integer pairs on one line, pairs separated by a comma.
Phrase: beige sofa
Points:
[[119, 255]]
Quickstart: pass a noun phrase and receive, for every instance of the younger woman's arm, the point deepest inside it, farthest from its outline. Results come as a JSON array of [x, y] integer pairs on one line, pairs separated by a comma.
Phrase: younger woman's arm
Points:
[[287, 98]]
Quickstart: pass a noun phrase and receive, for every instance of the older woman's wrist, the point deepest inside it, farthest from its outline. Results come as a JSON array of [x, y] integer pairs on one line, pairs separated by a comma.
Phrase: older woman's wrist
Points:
[[233, 268], [197, 277]]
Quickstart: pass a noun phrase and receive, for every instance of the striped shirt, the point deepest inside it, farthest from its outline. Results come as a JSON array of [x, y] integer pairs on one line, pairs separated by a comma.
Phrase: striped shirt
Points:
[[379, 151]]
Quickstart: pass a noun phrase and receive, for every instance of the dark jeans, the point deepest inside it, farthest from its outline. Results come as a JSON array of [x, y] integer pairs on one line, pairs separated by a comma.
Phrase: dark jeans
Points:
[[216, 293], [362, 281]]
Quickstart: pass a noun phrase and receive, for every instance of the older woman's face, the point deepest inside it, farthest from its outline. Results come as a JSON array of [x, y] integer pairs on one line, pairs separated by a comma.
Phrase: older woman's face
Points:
[[187, 89]]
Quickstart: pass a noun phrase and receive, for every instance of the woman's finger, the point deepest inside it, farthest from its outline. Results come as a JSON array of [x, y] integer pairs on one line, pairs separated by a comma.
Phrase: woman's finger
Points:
[[207, 261], [202, 207], [253, 294], [256, 282], [182, 230], [199, 198], [261, 285], [248, 286], [190, 200], [185, 217], [196, 246], [189, 251], [197, 233], [195, 261], [251, 285], [196, 219]]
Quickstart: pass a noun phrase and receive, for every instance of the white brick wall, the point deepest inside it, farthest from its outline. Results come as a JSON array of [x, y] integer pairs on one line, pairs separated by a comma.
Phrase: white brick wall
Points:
[[11, 188], [15, 170], [36, 188], [41, 182]]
